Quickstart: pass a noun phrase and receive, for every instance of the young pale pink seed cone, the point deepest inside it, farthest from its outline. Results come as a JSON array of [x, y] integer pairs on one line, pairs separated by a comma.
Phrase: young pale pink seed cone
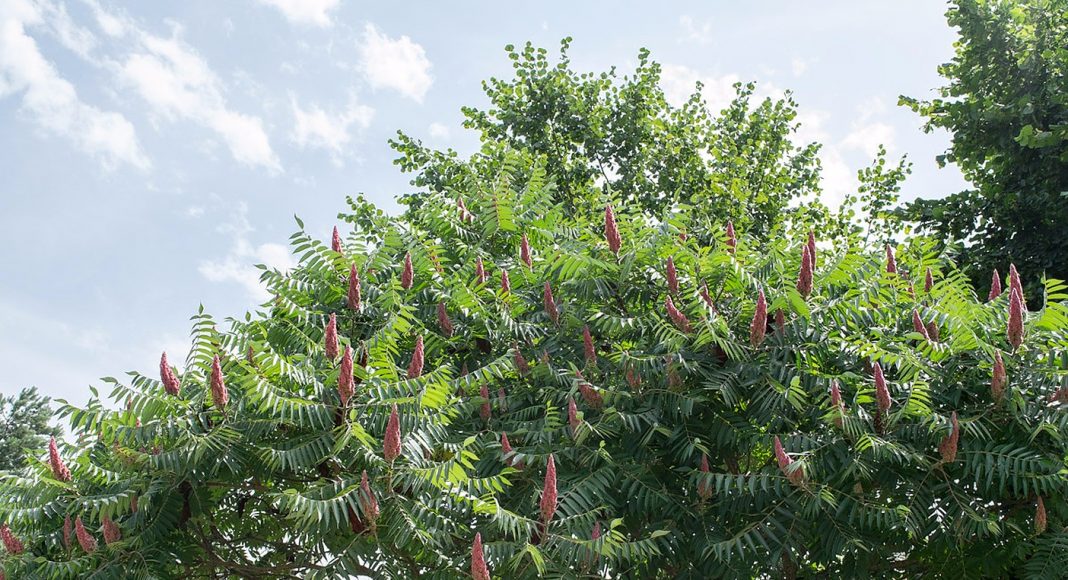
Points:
[[882, 394], [524, 252], [85, 539], [112, 533], [837, 403], [67, 529], [1014, 284], [167, 377], [465, 216], [672, 277], [550, 304], [995, 286], [928, 281], [548, 494], [759, 325], [704, 490], [948, 447], [812, 249], [572, 415], [917, 325], [520, 362], [330, 341], [999, 378], [11, 543], [480, 271], [346, 384], [368, 502], [353, 296], [415, 368], [1040, 516], [443, 320], [485, 412], [732, 240], [506, 448], [506, 283], [219, 395], [891, 262], [407, 274], [391, 446], [785, 460], [804, 277], [1015, 329], [59, 468], [335, 241], [587, 344], [707, 297], [611, 231], [479, 570]]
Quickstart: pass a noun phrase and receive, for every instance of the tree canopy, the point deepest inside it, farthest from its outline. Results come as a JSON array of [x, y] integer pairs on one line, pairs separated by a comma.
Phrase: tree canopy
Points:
[[24, 424]]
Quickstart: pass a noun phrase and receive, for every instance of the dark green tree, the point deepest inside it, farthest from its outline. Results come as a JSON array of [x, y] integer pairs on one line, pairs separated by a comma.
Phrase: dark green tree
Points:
[[607, 132], [1006, 105], [24, 424]]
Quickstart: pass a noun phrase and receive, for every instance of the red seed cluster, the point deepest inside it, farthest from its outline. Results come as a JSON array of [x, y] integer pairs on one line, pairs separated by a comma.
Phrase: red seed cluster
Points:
[[995, 286], [391, 446], [758, 327], [882, 394], [804, 277], [59, 468], [353, 295], [837, 403], [672, 276], [485, 411], [520, 362], [506, 284], [676, 315], [548, 493], [611, 230], [346, 384], [415, 368], [948, 447], [219, 395], [480, 271], [443, 320], [11, 543], [330, 341], [704, 489], [550, 304], [587, 345], [335, 242], [1015, 329], [1040, 516], [168, 378], [999, 379], [112, 533], [524, 251], [732, 240], [796, 476], [407, 274], [572, 416], [368, 502], [918, 326], [85, 539], [891, 262], [479, 570]]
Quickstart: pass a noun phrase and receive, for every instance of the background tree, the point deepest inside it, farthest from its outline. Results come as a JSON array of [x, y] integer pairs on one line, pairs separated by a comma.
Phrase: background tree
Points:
[[1005, 107], [24, 424], [606, 132]]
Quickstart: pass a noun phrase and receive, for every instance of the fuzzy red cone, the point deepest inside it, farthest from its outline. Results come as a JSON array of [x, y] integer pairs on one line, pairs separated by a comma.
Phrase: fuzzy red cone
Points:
[[780, 321], [611, 230], [67, 530], [999, 378], [85, 539], [391, 445], [335, 242], [548, 494], [785, 460], [59, 468], [368, 502], [707, 297], [917, 324], [480, 271], [995, 286], [812, 249], [1040, 517], [704, 490], [407, 274], [633, 379], [168, 378], [520, 362], [485, 411], [1014, 284], [112, 533], [732, 240], [589, 394], [928, 281], [948, 447], [506, 284], [837, 403], [882, 394], [12, 544], [596, 533], [346, 384], [672, 276], [572, 415], [587, 345], [465, 216], [524, 252], [443, 320], [330, 338], [479, 570], [891, 262], [758, 327], [1015, 328], [353, 296], [550, 304], [932, 331], [676, 315], [219, 395], [506, 448], [415, 368], [804, 277]]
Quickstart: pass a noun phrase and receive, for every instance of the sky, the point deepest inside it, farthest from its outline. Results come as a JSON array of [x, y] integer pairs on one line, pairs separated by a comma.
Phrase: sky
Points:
[[151, 153]]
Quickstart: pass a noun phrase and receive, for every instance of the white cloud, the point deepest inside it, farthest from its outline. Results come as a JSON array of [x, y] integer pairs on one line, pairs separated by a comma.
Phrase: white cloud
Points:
[[239, 264], [867, 137], [305, 12], [798, 66], [438, 131], [177, 83], [692, 32], [194, 211], [397, 64], [53, 102], [317, 128], [679, 82]]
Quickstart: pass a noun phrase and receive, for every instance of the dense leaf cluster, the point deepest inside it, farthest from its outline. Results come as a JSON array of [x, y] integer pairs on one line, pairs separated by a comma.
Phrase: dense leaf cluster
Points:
[[659, 393]]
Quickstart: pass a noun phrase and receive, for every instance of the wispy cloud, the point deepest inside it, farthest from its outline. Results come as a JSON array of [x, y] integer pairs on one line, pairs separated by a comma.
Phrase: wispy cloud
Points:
[[52, 102], [239, 264], [305, 12], [317, 128], [694, 32], [438, 130], [395, 63]]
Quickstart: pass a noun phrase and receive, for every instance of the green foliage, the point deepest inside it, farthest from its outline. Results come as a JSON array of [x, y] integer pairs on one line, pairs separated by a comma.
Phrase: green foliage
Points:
[[1005, 106], [269, 487], [24, 424], [598, 133]]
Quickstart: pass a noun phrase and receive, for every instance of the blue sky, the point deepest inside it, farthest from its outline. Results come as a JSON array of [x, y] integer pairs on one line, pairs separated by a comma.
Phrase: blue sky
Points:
[[152, 152]]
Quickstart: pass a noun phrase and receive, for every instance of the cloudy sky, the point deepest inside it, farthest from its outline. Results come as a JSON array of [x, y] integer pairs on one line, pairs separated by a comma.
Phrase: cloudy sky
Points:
[[152, 152]]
